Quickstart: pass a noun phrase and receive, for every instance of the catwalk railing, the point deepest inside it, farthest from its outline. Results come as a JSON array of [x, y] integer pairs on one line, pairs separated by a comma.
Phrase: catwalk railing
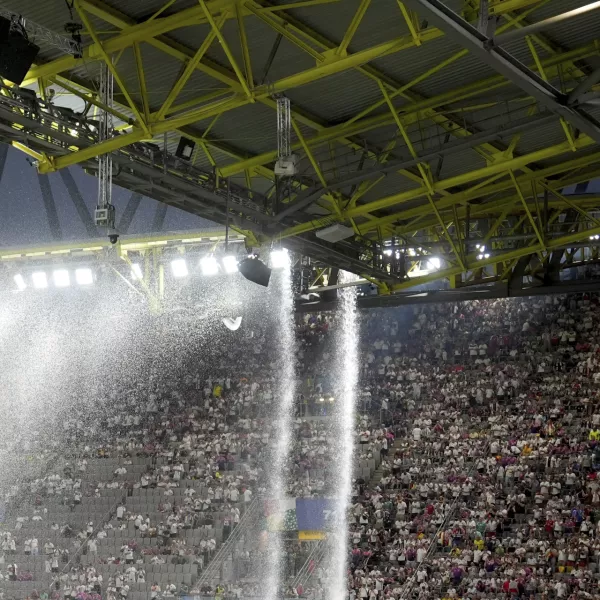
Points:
[[246, 527]]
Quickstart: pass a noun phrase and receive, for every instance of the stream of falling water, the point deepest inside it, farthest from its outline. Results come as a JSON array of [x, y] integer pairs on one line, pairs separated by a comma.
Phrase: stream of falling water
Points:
[[346, 374], [285, 391]]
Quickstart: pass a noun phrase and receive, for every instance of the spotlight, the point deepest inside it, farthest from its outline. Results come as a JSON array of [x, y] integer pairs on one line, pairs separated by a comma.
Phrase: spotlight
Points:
[[179, 268], [230, 264], [321, 399], [39, 280], [185, 148], [280, 259], [20, 281], [61, 278], [209, 265], [136, 272], [388, 251], [331, 399], [255, 270], [434, 263], [84, 276]]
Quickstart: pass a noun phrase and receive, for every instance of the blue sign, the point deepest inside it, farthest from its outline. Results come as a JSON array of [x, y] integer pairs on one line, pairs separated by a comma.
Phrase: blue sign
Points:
[[315, 514]]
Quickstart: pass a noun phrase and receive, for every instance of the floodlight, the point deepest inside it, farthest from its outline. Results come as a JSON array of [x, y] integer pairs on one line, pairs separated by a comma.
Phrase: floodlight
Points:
[[20, 281], [61, 278], [39, 280], [280, 258], [434, 263], [179, 267], [136, 272], [255, 270], [230, 264], [84, 276], [209, 265], [388, 251]]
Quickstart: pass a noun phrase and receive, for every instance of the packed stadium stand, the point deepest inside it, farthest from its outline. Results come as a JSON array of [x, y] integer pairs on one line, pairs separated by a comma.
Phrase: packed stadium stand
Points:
[[477, 452]]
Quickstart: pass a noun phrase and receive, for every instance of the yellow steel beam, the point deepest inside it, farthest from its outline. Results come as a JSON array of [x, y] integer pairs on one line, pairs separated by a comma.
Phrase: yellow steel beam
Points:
[[189, 70], [465, 196], [446, 233], [274, 23], [111, 67], [204, 112], [139, 65], [410, 112], [504, 166], [410, 23], [135, 33], [474, 263], [88, 96], [309, 154], [244, 45], [226, 49], [538, 234], [353, 27]]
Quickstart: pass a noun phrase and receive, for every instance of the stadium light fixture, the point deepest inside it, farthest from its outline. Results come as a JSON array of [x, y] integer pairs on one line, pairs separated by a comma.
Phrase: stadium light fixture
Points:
[[179, 268], [209, 266], [136, 272], [20, 281], [84, 276], [280, 259], [39, 280], [61, 278], [434, 263], [255, 270], [230, 264]]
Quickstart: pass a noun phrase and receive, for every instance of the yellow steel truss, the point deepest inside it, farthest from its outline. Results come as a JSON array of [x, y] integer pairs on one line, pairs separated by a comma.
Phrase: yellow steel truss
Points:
[[440, 209]]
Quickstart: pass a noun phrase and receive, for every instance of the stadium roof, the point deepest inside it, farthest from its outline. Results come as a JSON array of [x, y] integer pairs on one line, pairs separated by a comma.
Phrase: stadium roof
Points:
[[428, 135]]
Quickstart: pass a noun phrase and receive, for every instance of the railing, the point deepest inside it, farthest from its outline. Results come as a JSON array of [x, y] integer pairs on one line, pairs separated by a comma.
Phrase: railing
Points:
[[105, 519], [250, 519], [314, 558]]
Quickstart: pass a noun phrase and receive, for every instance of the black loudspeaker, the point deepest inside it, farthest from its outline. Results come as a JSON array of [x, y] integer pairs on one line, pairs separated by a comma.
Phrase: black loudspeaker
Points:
[[17, 53], [256, 271]]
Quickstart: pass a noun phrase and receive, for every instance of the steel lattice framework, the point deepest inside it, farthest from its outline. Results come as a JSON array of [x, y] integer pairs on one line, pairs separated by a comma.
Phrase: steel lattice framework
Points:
[[445, 135]]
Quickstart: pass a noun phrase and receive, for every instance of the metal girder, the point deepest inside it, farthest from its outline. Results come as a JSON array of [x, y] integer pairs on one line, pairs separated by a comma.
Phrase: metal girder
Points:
[[129, 212], [49, 206], [504, 63], [482, 292], [79, 203], [227, 104]]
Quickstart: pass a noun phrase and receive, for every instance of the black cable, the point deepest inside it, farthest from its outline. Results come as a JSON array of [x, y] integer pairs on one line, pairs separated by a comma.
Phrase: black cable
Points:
[[70, 4]]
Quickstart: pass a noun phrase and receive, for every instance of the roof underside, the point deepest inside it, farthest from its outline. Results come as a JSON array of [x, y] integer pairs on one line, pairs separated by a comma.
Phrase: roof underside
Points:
[[414, 103]]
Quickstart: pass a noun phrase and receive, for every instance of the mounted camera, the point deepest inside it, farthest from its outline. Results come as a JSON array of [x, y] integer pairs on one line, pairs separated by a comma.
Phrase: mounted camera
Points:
[[113, 238]]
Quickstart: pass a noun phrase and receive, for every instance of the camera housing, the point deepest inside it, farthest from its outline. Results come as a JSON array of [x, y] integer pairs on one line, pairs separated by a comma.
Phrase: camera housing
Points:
[[113, 238]]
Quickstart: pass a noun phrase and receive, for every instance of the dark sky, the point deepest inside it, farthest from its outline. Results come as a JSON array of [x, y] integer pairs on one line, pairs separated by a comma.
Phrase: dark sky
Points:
[[23, 216]]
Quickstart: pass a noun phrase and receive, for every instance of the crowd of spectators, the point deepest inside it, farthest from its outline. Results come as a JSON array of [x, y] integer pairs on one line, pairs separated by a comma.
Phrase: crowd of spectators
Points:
[[482, 417]]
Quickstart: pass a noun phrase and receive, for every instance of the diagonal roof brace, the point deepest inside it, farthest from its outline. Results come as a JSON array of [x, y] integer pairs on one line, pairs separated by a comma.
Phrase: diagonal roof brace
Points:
[[507, 65]]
